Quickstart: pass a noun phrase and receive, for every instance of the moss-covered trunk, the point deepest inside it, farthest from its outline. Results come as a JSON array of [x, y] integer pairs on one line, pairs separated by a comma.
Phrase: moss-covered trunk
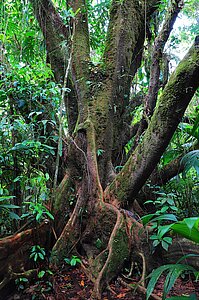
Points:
[[89, 205]]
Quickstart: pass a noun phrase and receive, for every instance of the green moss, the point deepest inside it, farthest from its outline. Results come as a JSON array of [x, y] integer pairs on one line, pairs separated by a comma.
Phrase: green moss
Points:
[[98, 263], [120, 252]]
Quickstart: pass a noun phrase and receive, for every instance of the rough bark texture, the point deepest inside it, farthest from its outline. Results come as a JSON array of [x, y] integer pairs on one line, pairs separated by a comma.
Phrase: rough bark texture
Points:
[[159, 44], [168, 113], [155, 67], [100, 99], [55, 33]]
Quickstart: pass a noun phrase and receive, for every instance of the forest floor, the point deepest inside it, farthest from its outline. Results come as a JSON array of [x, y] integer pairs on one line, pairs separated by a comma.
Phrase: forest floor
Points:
[[73, 284]]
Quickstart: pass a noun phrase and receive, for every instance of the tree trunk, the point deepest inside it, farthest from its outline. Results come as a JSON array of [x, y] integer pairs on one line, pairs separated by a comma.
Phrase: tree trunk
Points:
[[100, 97]]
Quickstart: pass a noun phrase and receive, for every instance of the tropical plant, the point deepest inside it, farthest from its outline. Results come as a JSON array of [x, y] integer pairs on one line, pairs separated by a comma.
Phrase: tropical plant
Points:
[[73, 261], [174, 271], [87, 97], [37, 253]]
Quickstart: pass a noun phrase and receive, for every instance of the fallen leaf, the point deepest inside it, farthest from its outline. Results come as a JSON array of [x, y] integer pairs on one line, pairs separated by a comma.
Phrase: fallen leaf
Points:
[[67, 277], [121, 295], [82, 283]]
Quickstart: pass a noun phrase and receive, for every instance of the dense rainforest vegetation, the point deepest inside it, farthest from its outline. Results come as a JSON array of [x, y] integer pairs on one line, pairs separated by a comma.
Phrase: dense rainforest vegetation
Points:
[[99, 142]]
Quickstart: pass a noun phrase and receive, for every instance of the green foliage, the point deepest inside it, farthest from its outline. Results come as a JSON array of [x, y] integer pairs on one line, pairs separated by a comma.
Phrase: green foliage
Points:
[[165, 205], [98, 20], [29, 101], [174, 271], [21, 283], [20, 32], [6, 208], [191, 297], [100, 152], [190, 160], [187, 228], [40, 288], [8, 211], [163, 222], [186, 190], [43, 273], [37, 253], [73, 261], [39, 211]]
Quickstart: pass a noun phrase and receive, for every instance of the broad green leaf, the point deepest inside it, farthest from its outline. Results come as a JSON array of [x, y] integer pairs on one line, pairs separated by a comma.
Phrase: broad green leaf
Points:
[[67, 260], [172, 277], [191, 297], [154, 276], [31, 255], [190, 222], [156, 243], [170, 201], [42, 251], [165, 217], [49, 215], [41, 255], [168, 239], [41, 274], [38, 216], [23, 279], [73, 262], [147, 218], [162, 230], [9, 206], [35, 257], [184, 230], [165, 245], [164, 209], [3, 198], [14, 216]]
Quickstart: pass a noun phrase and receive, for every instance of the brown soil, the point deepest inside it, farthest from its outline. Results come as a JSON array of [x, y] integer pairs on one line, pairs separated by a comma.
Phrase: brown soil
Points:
[[72, 284]]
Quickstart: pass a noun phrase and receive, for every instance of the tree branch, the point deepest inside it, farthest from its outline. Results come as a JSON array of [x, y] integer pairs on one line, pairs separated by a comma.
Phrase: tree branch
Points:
[[55, 33], [169, 171], [157, 53], [171, 107], [122, 57], [81, 55], [156, 57]]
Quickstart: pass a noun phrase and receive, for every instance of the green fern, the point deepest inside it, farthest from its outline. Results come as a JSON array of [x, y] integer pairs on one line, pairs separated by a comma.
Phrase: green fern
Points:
[[190, 160]]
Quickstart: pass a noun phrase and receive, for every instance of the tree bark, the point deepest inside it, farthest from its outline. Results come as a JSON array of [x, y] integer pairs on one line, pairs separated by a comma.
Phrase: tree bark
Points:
[[99, 98], [15, 251], [168, 113]]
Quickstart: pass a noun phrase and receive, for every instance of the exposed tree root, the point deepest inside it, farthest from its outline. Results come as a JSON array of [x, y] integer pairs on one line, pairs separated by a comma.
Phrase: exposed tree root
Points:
[[12, 276], [15, 251], [139, 288], [124, 238], [141, 282], [108, 270], [128, 276], [69, 237], [181, 247]]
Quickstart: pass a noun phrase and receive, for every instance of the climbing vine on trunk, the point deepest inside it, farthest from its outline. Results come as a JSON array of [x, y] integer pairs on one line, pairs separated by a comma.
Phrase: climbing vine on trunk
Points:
[[97, 105]]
